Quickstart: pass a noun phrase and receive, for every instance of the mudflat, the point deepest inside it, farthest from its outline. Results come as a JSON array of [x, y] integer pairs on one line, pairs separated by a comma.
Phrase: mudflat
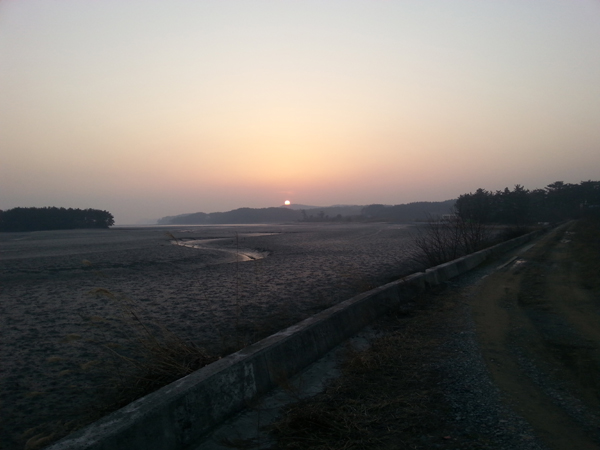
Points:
[[67, 300]]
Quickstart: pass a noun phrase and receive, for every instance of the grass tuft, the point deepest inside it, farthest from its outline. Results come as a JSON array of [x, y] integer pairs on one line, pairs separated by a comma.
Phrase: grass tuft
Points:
[[153, 356], [386, 398]]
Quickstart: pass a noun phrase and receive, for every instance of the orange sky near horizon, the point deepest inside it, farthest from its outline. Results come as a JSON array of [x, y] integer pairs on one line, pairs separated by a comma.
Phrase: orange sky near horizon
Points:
[[155, 108]]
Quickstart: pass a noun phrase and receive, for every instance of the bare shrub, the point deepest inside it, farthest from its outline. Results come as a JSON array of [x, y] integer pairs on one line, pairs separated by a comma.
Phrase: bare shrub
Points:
[[440, 241]]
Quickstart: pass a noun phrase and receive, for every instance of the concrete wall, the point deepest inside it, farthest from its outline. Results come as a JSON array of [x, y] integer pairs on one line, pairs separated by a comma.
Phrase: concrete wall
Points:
[[177, 415]]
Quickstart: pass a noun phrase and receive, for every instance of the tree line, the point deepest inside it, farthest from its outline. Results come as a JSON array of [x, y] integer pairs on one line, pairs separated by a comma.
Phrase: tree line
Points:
[[407, 212], [53, 218], [556, 202], [468, 229]]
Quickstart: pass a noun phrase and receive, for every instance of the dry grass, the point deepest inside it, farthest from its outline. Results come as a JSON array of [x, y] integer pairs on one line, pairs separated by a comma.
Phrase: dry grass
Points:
[[587, 251], [141, 356], [440, 242], [146, 357], [389, 396], [154, 357]]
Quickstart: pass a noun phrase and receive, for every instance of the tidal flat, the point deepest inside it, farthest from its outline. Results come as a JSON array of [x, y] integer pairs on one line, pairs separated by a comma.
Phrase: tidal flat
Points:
[[66, 299]]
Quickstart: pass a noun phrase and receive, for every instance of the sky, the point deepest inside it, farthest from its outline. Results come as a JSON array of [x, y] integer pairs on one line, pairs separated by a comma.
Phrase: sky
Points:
[[149, 108]]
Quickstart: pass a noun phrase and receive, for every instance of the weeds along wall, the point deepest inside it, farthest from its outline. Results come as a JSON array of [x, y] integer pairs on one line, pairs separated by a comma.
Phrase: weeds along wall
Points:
[[179, 414]]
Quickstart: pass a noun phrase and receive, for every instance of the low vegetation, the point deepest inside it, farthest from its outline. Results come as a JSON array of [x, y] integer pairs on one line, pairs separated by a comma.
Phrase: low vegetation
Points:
[[484, 218], [154, 357], [52, 218], [440, 241], [587, 251], [387, 398]]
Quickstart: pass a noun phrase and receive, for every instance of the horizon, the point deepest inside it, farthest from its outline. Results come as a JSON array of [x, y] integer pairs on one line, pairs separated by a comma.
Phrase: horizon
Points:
[[296, 207], [151, 108]]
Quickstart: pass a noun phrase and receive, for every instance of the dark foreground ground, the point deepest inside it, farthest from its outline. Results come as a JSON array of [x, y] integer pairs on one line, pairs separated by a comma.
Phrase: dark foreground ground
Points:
[[84, 314], [504, 358]]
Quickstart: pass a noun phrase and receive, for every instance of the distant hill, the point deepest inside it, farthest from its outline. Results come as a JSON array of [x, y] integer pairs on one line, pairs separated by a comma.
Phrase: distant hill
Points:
[[236, 216], [408, 212], [184, 219], [299, 206], [303, 213], [337, 212]]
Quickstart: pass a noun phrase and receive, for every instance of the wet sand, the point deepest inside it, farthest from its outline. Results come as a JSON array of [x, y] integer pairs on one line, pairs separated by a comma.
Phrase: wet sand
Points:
[[56, 336]]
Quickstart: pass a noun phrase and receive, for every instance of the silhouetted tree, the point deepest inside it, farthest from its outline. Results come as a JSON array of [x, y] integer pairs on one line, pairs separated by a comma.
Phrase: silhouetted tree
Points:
[[558, 201], [52, 218], [477, 207], [513, 206]]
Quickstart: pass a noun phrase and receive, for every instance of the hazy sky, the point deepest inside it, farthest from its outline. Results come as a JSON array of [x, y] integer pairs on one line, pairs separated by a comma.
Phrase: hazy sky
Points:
[[149, 108]]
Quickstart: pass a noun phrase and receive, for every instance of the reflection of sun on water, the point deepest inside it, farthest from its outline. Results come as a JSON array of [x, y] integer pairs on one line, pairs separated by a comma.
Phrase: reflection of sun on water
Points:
[[287, 203]]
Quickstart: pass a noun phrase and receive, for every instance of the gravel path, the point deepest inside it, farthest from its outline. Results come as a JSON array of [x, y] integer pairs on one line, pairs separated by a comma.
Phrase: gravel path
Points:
[[477, 407]]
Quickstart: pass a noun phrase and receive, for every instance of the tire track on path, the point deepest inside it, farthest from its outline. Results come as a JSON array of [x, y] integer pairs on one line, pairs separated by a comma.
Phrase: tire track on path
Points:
[[537, 328]]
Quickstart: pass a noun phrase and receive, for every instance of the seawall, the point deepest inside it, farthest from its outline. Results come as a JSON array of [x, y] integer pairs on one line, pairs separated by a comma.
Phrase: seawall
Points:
[[177, 415]]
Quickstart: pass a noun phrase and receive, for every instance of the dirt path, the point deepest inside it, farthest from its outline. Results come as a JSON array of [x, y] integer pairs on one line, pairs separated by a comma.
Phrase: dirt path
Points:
[[537, 324]]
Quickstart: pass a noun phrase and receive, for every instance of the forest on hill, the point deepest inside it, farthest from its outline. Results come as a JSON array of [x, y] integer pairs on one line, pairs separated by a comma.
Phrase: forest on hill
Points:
[[397, 213], [53, 218], [556, 202], [408, 212]]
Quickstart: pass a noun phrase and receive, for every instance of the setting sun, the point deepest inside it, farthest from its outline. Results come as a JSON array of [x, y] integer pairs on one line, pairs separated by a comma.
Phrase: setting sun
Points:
[[287, 203]]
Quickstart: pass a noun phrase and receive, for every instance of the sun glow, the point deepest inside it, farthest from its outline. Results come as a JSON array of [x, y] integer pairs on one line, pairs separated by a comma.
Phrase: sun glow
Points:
[[287, 203]]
